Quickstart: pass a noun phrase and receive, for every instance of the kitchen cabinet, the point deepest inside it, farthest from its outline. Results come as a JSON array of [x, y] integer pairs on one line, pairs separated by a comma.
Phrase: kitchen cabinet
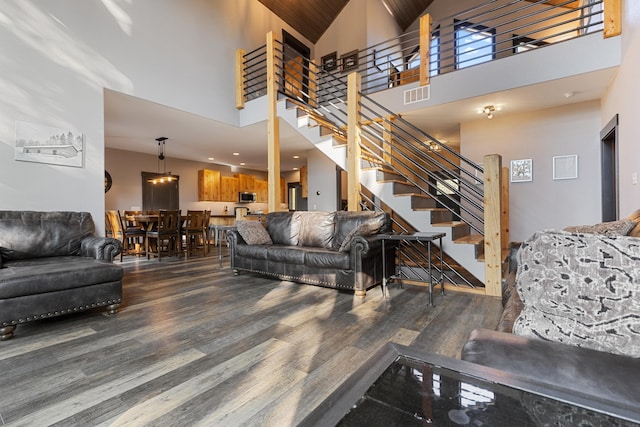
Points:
[[229, 189], [246, 182], [262, 190], [304, 182], [208, 185]]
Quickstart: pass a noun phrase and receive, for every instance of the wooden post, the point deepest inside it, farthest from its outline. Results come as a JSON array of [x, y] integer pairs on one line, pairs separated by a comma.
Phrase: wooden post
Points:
[[273, 128], [387, 144], [353, 142], [314, 72], [492, 228], [505, 208], [425, 45], [612, 18], [240, 78]]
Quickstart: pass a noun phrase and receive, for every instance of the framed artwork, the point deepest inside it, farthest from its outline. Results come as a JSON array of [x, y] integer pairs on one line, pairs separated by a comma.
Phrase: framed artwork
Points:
[[330, 61], [521, 170], [45, 144], [349, 60], [565, 167]]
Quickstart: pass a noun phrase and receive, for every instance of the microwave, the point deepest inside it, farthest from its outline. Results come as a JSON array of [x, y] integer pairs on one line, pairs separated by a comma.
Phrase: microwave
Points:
[[247, 197]]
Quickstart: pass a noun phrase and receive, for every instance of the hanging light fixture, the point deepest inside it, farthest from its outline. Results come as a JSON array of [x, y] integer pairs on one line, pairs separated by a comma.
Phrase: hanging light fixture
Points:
[[162, 177], [488, 110]]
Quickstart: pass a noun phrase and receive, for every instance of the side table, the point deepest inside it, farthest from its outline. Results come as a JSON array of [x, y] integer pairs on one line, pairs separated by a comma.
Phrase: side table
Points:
[[425, 236], [219, 231]]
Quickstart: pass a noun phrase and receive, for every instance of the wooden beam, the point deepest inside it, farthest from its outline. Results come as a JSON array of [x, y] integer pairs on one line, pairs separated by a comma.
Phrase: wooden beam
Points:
[[492, 228], [353, 142], [504, 221], [387, 144], [612, 18], [240, 78], [273, 128], [425, 45]]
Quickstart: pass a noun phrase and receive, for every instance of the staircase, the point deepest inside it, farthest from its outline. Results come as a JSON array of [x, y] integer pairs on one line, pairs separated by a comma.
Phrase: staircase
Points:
[[407, 201]]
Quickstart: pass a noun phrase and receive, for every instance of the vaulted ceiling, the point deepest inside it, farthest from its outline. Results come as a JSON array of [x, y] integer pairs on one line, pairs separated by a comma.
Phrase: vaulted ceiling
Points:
[[311, 18]]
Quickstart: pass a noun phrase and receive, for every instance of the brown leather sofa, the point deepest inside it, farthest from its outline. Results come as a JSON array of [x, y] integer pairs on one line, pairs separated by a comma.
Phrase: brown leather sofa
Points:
[[52, 263], [333, 249]]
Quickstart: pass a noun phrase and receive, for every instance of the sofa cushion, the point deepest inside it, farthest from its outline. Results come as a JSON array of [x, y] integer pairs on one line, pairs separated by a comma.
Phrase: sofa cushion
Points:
[[286, 254], [43, 275], [253, 232], [282, 228], [612, 228], [28, 234], [316, 228], [367, 228], [581, 289], [635, 217], [347, 222], [326, 259], [252, 251]]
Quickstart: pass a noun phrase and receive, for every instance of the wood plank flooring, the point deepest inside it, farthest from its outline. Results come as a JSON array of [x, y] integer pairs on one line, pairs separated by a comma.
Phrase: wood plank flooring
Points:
[[194, 345]]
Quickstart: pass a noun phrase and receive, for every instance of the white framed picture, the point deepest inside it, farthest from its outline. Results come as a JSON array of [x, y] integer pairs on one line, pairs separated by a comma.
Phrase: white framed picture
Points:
[[46, 144], [521, 170], [565, 167]]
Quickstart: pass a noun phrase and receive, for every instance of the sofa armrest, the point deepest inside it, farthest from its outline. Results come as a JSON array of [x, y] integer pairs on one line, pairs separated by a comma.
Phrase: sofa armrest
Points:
[[592, 372], [100, 248]]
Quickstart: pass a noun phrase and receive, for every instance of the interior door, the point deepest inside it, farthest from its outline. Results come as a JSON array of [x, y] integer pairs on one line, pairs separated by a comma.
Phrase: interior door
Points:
[[609, 159]]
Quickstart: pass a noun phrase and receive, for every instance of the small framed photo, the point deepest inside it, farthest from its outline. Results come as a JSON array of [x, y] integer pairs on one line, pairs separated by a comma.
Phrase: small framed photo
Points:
[[349, 60], [521, 170], [565, 167], [330, 61]]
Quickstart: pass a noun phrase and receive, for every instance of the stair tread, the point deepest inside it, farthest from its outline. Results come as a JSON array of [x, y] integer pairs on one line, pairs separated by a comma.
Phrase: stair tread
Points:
[[450, 224], [426, 196], [471, 238]]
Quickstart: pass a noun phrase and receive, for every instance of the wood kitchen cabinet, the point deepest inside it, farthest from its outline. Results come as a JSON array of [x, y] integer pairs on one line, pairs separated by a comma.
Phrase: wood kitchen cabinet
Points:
[[208, 185], [304, 182], [262, 190], [246, 182], [229, 189]]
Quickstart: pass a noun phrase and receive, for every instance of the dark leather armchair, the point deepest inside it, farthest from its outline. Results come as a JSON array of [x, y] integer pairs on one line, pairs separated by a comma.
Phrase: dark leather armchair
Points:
[[52, 263]]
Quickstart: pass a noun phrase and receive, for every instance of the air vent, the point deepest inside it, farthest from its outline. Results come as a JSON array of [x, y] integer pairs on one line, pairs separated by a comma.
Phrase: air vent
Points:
[[416, 95]]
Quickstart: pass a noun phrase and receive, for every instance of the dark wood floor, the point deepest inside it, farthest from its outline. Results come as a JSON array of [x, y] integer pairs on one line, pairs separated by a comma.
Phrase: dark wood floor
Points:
[[195, 345]]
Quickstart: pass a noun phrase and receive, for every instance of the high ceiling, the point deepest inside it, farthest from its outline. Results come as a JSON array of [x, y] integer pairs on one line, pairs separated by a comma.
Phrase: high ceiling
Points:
[[311, 18]]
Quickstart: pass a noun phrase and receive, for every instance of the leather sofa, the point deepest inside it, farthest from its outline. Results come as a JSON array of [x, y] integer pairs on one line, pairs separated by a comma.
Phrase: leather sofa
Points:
[[52, 263], [332, 249], [571, 316]]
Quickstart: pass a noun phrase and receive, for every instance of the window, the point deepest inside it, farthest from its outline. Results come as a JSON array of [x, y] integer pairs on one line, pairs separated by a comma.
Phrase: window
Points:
[[523, 44], [474, 44], [413, 60]]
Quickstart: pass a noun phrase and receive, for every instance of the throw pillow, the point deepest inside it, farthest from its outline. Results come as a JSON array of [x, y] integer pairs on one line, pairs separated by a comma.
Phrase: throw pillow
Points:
[[253, 232], [635, 217], [612, 228], [581, 289], [366, 229]]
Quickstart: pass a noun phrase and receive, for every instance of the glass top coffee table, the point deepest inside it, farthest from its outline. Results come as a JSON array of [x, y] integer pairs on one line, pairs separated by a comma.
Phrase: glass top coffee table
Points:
[[402, 387]]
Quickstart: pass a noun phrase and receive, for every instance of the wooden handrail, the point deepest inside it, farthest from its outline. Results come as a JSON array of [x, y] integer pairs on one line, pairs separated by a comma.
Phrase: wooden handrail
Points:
[[241, 80]]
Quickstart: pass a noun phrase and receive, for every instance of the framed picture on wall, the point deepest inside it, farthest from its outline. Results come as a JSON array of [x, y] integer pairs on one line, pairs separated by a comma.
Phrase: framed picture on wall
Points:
[[565, 167], [349, 60], [46, 144], [330, 61], [521, 170]]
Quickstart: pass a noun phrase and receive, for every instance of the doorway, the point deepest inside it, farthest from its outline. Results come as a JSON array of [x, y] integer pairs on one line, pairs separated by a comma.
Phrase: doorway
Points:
[[609, 156], [296, 201], [296, 67]]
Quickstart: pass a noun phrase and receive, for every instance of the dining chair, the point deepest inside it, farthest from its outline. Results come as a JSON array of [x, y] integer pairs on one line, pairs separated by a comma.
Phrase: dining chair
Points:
[[134, 234], [166, 234], [195, 232], [205, 227]]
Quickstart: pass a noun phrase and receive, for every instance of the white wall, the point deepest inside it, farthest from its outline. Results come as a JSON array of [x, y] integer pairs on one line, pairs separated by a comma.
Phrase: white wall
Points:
[[321, 179], [539, 135], [623, 98], [57, 56]]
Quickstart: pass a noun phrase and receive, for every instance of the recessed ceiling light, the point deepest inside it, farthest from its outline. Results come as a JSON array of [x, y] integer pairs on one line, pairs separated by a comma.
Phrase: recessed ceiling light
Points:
[[211, 158], [296, 157], [236, 154], [242, 164], [295, 169]]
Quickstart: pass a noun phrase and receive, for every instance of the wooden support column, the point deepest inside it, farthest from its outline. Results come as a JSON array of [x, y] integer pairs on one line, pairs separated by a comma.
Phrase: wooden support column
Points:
[[353, 142], [492, 227], [387, 144], [240, 78], [314, 72], [425, 46], [612, 18], [505, 208], [273, 128]]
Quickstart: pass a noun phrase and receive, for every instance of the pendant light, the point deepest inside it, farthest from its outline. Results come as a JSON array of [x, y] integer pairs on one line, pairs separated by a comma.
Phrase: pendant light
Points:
[[162, 177]]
